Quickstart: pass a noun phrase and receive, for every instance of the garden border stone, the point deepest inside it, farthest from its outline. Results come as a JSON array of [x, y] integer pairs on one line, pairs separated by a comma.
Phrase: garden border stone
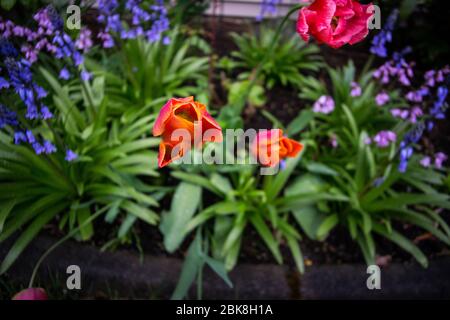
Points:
[[126, 274]]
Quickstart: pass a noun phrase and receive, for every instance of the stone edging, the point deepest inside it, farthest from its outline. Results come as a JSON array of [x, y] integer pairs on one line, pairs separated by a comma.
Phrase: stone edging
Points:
[[156, 277]]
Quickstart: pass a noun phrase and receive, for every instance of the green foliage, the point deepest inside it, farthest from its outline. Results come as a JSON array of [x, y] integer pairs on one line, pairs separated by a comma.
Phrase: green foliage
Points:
[[284, 67], [242, 199], [114, 154], [154, 70], [369, 195], [193, 266]]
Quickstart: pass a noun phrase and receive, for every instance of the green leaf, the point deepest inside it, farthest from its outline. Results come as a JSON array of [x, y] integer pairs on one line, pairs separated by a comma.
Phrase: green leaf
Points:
[[306, 183], [327, 225], [5, 210], [126, 225], [28, 234], [192, 263], [217, 209], [87, 230], [222, 183], [321, 168], [184, 204], [296, 252], [141, 212], [351, 120], [8, 4], [219, 269], [300, 122], [310, 219], [274, 188], [405, 199], [197, 180], [267, 236]]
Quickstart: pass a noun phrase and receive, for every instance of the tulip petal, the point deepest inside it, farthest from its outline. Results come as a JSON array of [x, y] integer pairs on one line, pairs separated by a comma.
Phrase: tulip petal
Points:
[[31, 294], [164, 114], [165, 154]]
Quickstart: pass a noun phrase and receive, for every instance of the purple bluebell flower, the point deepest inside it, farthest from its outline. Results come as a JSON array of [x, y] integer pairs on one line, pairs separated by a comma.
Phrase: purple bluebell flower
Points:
[[30, 136], [325, 105], [384, 138], [355, 90], [45, 113], [19, 137], [417, 96], [84, 41], [3, 83], [31, 53], [38, 148], [49, 147], [382, 98], [7, 117], [430, 78], [268, 7], [399, 113], [425, 162], [40, 92], [333, 141], [64, 74], [7, 49], [405, 154], [439, 159], [107, 39], [416, 112], [85, 75], [70, 155], [385, 36], [166, 41], [406, 148]]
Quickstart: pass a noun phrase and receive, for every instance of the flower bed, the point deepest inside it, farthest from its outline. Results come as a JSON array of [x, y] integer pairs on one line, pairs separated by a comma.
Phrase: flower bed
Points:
[[133, 122]]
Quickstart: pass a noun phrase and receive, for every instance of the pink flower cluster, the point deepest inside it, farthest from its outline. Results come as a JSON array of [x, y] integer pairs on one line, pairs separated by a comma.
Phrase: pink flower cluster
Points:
[[439, 159], [401, 70], [325, 105], [412, 115], [383, 139]]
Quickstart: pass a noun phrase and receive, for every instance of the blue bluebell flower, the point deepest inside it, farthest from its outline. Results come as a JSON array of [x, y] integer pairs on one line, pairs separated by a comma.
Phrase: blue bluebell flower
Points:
[[49, 147], [19, 137], [70, 155], [7, 117], [406, 146], [268, 7], [385, 36], [85, 75], [3, 83], [7, 49], [64, 74]]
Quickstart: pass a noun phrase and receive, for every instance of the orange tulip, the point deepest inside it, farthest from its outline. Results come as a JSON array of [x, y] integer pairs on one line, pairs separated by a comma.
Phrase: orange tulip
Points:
[[270, 147], [189, 116]]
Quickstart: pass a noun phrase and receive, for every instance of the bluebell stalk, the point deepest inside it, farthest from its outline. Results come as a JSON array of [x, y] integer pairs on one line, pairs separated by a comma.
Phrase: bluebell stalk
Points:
[[267, 7], [385, 36]]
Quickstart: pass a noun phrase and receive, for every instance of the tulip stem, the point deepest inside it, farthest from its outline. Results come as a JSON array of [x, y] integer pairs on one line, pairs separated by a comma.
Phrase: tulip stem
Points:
[[62, 240], [256, 72]]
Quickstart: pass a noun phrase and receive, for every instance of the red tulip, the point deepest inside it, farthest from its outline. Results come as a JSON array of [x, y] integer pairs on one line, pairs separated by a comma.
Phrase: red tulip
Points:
[[31, 294], [334, 22], [270, 147], [189, 116]]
